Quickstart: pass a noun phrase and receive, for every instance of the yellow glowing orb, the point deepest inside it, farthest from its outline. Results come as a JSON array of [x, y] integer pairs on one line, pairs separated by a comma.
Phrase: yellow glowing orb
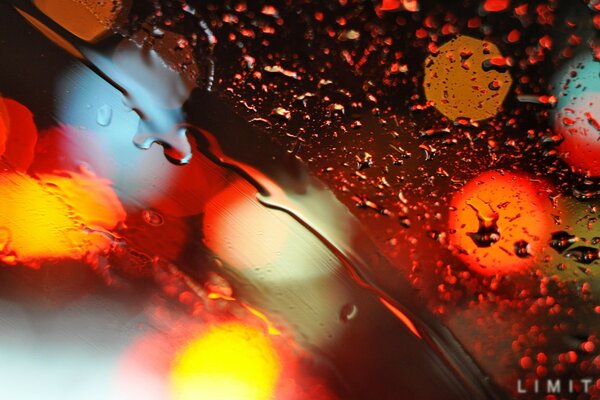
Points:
[[467, 78], [229, 362]]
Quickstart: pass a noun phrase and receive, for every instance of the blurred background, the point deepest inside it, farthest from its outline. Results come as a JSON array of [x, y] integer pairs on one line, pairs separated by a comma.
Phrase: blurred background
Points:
[[347, 199]]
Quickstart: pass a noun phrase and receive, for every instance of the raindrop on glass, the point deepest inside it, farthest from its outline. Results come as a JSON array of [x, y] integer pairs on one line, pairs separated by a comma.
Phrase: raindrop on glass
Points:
[[104, 115]]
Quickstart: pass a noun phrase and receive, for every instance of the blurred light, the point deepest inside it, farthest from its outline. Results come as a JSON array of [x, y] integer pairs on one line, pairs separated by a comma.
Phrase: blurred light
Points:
[[229, 362], [67, 353], [493, 213], [279, 260], [456, 81], [46, 219], [242, 231], [18, 134], [248, 235], [577, 119], [107, 148], [100, 134]]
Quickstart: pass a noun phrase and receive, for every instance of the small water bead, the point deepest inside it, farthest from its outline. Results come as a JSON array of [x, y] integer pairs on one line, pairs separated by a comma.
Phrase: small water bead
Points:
[[348, 312], [152, 218], [104, 115]]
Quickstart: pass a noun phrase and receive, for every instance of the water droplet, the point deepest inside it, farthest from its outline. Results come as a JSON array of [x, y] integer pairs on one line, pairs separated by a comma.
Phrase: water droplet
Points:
[[279, 70], [282, 112], [364, 160], [537, 99], [182, 43], [217, 285], [348, 312], [592, 121], [104, 115], [522, 249], [157, 32], [488, 232], [583, 254], [152, 218], [404, 221], [561, 240], [566, 121], [336, 109], [176, 145], [494, 85], [500, 64], [430, 133]]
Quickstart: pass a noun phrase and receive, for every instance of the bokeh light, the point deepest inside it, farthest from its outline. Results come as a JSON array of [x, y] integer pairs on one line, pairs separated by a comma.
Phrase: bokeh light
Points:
[[273, 254], [500, 222], [467, 78], [47, 218], [99, 130], [577, 119], [242, 231], [228, 362], [53, 215]]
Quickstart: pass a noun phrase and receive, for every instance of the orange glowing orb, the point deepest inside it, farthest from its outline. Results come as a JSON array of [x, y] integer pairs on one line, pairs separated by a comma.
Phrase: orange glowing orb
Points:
[[46, 218], [467, 78], [229, 362], [499, 222]]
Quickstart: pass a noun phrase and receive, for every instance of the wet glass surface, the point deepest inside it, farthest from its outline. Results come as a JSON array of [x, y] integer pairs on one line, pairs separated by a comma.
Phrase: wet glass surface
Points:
[[290, 200]]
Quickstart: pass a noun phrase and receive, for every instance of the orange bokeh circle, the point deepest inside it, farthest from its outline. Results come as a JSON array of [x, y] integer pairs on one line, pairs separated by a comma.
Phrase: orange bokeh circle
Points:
[[500, 222]]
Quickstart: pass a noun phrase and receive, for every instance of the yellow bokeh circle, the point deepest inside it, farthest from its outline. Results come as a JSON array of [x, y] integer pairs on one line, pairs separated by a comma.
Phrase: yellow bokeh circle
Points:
[[467, 78]]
